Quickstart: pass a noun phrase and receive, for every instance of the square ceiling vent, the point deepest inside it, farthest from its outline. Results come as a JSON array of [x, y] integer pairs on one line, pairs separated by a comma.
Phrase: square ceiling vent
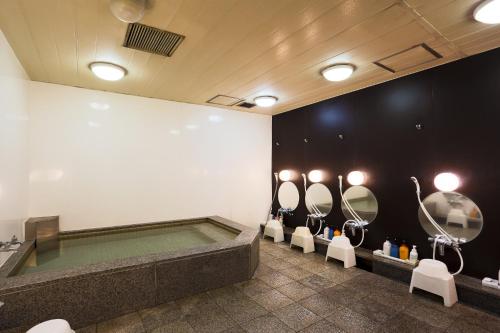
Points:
[[224, 100], [414, 56], [150, 39]]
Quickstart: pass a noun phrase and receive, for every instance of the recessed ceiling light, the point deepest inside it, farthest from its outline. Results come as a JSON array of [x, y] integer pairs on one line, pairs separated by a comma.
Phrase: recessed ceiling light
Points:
[[107, 71], [488, 12], [338, 72], [446, 182], [265, 101]]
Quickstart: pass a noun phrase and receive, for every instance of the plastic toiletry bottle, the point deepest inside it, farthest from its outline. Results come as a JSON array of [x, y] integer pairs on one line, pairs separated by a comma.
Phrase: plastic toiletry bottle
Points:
[[387, 247], [330, 233], [403, 251], [326, 232], [337, 232], [394, 249], [414, 254]]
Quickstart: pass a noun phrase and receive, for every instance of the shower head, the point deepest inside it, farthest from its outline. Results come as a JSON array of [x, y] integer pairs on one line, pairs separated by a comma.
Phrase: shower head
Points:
[[416, 184]]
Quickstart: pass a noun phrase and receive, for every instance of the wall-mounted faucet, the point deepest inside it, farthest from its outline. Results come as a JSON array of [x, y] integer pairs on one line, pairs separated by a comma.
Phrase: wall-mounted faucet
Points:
[[7, 246]]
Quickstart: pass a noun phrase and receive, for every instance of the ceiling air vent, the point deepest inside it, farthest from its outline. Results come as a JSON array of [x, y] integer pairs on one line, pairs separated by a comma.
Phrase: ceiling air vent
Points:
[[246, 105], [224, 100], [153, 40], [406, 59]]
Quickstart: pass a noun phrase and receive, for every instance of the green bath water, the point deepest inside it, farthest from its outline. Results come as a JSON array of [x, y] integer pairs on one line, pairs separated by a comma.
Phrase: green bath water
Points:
[[78, 251]]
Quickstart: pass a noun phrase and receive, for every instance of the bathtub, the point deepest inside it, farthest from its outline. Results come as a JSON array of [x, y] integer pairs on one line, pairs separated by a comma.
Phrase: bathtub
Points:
[[92, 275]]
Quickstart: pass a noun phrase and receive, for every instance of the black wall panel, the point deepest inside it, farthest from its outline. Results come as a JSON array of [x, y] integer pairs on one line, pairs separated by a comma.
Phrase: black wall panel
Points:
[[458, 105]]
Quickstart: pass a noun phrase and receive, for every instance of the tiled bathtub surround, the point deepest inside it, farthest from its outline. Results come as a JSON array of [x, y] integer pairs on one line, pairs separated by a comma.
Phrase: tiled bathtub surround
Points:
[[99, 292], [321, 298]]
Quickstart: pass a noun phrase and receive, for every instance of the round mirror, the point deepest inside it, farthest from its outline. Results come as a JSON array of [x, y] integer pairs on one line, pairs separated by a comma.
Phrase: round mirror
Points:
[[458, 215], [288, 195], [362, 201], [319, 195]]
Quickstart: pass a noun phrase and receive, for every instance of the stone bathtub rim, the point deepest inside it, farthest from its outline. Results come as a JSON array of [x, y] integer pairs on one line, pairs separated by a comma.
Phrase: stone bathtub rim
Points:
[[8, 284]]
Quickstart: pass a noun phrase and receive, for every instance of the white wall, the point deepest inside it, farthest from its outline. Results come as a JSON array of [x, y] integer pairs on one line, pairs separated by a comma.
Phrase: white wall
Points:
[[13, 143], [100, 159]]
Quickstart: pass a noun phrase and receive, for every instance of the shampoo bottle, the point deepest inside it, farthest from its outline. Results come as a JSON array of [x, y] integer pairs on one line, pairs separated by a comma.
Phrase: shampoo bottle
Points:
[[337, 232], [414, 254], [394, 249], [403, 251], [330, 234], [326, 232], [387, 247]]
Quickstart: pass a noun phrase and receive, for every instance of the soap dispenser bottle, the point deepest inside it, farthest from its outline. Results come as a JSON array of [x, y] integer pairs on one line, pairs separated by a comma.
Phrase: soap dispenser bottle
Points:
[[326, 232], [414, 255], [394, 249], [387, 247], [337, 232], [403, 251]]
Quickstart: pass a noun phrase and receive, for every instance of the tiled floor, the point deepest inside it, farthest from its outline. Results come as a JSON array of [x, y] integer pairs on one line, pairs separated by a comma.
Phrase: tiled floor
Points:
[[293, 292]]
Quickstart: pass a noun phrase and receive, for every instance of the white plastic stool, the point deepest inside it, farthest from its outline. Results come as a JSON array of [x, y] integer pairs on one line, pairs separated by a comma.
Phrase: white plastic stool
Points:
[[52, 326], [340, 248], [433, 276], [303, 238], [274, 229], [457, 216]]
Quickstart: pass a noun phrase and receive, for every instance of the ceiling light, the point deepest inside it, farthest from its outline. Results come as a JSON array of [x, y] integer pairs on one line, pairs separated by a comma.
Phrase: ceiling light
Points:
[[446, 182], [356, 178], [107, 71], [488, 12], [315, 176], [129, 11], [337, 72], [265, 101], [285, 175]]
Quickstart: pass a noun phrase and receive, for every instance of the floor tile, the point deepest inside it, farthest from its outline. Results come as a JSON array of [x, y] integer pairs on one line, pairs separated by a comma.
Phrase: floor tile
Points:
[[407, 324], [478, 317], [225, 295], [253, 287], [343, 295], [296, 291], [351, 321], [279, 264], [314, 266], [296, 316], [322, 327], [88, 329], [194, 304], [319, 304], [243, 310], [272, 300], [160, 315], [317, 282], [130, 323], [374, 310], [275, 279], [296, 273], [262, 269], [429, 315], [210, 320], [234, 329], [174, 327], [266, 324], [462, 326]]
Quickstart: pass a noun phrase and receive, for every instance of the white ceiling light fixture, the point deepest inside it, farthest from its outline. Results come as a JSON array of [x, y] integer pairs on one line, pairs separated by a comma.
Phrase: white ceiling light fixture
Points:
[[447, 182], [107, 71], [488, 12], [265, 101], [315, 176], [356, 178], [338, 73], [285, 175], [129, 11]]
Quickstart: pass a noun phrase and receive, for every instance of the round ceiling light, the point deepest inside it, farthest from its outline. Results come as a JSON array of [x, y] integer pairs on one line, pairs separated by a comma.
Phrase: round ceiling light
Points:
[[488, 12], [356, 178], [338, 72], [107, 71], [446, 182], [265, 101], [129, 11]]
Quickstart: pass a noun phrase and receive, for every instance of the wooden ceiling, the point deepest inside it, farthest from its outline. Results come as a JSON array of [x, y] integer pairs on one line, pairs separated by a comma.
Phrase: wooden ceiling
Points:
[[245, 48]]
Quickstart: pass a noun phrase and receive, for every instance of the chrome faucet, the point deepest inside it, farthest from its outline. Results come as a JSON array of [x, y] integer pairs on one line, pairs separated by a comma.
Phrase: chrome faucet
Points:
[[6, 246]]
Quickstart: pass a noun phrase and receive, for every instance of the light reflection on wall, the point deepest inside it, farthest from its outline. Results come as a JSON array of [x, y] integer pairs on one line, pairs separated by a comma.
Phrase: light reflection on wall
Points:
[[48, 175]]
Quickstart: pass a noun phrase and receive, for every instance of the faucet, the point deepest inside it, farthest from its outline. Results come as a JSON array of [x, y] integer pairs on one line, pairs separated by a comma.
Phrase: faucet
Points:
[[442, 243], [353, 225], [6, 246]]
